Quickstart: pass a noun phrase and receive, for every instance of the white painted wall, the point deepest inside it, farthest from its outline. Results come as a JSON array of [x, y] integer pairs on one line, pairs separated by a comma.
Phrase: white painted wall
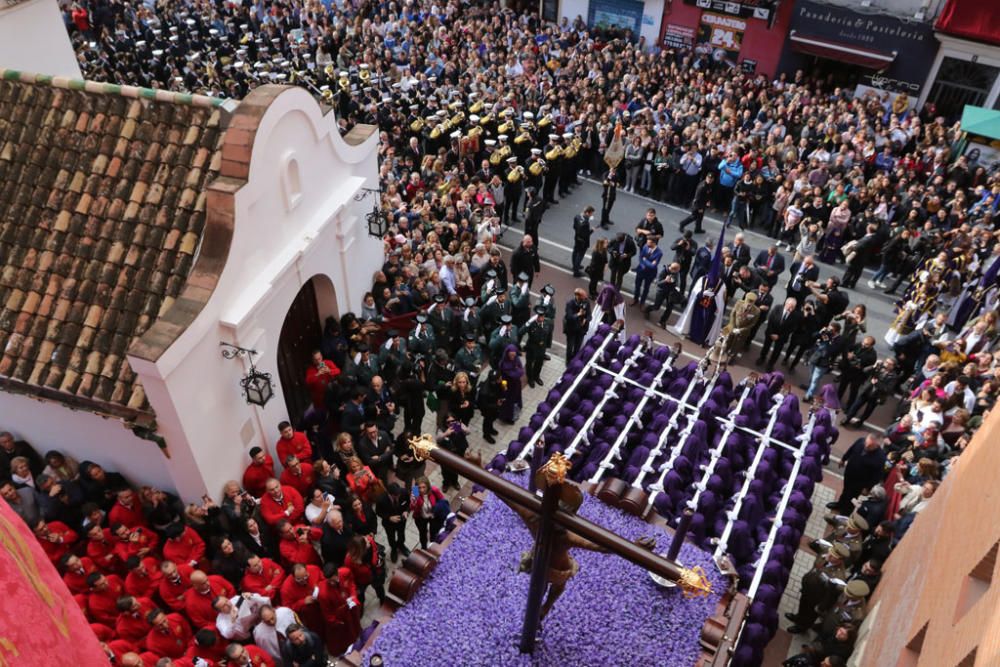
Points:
[[49, 425], [573, 8], [33, 38], [281, 239]]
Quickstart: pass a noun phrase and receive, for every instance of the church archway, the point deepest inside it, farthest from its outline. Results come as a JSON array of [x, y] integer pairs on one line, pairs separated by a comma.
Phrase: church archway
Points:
[[301, 333]]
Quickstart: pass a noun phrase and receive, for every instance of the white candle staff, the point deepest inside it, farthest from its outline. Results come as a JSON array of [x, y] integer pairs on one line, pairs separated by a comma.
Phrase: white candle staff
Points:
[[613, 454], [529, 446], [608, 395], [750, 474]]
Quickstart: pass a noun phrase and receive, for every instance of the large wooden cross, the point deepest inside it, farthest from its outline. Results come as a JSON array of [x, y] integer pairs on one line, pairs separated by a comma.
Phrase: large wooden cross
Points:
[[555, 527]]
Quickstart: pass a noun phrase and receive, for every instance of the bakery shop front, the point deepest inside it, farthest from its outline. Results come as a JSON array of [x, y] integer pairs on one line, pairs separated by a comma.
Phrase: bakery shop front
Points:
[[859, 51]]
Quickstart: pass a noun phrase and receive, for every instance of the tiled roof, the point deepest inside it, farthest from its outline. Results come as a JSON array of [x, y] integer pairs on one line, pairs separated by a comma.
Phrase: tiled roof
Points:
[[102, 209]]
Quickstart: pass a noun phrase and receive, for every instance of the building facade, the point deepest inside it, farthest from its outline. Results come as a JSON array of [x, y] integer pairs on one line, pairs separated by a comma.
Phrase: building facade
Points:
[[141, 230], [967, 67], [32, 37], [936, 605]]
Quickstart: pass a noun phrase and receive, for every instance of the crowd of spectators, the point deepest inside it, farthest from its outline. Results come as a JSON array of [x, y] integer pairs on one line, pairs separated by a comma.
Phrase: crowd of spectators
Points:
[[485, 118]]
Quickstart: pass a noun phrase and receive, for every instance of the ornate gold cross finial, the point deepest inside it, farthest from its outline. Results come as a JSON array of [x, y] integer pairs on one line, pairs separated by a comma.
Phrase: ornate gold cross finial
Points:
[[556, 468], [694, 583], [422, 446]]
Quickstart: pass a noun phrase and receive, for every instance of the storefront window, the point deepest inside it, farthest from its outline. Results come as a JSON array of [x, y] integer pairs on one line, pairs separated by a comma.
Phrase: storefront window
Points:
[[961, 82]]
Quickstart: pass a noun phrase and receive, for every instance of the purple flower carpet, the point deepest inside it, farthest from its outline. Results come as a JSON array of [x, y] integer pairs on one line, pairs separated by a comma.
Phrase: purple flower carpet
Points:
[[470, 610]]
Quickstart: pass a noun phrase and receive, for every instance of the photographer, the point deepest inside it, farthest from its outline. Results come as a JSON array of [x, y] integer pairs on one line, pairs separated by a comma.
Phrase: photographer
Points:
[[684, 251], [880, 385], [858, 362], [668, 291], [620, 253], [828, 347]]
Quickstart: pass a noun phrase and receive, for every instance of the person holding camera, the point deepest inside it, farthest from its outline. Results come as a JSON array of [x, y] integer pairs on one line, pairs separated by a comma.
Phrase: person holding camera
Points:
[[684, 249], [669, 292], [828, 347], [857, 363], [620, 253]]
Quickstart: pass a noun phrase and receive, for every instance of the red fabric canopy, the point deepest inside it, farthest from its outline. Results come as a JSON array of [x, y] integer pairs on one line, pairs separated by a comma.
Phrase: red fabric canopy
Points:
[[971, 19], [847, 53]]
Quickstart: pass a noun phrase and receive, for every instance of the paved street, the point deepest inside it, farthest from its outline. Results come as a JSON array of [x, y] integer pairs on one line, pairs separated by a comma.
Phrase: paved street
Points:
[[557, 242]]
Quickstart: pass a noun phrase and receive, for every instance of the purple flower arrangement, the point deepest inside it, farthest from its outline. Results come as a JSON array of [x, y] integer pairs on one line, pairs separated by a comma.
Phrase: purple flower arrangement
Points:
[[470, 610]]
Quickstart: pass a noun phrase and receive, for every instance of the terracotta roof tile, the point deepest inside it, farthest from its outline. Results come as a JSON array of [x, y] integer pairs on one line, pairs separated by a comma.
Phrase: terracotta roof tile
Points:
[[101, 211]]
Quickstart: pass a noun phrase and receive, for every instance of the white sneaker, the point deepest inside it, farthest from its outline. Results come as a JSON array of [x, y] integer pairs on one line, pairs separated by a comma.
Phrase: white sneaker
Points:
[[872, 284]]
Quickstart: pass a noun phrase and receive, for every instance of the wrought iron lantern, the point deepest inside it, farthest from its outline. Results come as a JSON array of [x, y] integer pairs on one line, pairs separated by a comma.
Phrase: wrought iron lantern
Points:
[[256, 385]]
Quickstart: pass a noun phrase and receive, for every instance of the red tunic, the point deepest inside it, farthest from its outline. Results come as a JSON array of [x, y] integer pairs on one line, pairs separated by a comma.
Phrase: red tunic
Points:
[[273, 512], [256, 476], [138, 585], [267, 583], [363, 572], [212, 654], [172, 643], [198, 606], [187, 548], [76, 582], [141, 541], [130, 517], [302, 482], [103, 554], [298, 445], [342, 621], [172, 592], [56, 550], [294, 552], [294, 595], [132, 625], [258, 656], [317, 383], [103, 605]]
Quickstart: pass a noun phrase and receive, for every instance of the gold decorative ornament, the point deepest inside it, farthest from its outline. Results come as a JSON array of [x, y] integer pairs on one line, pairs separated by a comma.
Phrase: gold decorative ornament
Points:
[[423, 446], [556, 468], [694, 583]]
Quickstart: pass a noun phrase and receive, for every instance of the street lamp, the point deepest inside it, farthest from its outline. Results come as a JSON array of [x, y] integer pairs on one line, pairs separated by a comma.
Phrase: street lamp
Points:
[[377, 224], [256, 386]]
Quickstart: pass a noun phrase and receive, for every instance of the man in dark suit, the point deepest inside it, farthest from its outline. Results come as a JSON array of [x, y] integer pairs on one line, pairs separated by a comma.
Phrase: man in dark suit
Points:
[[769, 265], [801, 273], [740, 249], [374, 446], [525, 259], [780, 325], [620, 251], [353, 416]]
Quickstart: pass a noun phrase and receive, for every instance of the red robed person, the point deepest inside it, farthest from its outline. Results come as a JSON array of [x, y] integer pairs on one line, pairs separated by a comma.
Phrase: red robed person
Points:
[[319, 377], [338, 600], [300, 594], [260, 470], [292, 443]]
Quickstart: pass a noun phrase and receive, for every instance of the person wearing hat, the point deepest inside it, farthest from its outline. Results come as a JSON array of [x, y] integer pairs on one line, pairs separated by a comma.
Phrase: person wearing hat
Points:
[[849, 608], [392, 356], [470, 357], [535, 168], [440, 374], [504, 335], [553, 160], [567, 171], [513, 188], [497, 305], [819, 587], [520, 299], [489, 398], [468, 319], [441, 319], [537, 335], [583, 229], [363, 366], [852, 533], [421, 340]]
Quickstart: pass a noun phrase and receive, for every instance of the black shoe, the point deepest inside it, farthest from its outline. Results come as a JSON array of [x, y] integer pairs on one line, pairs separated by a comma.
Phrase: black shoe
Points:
[[699, 231], [663, 324], [403, 550], [539, 382], [791, 617], [394, 555], [577, 274], [547, 358], [831, 506], [489, 438], [531, 383], [795, 630]]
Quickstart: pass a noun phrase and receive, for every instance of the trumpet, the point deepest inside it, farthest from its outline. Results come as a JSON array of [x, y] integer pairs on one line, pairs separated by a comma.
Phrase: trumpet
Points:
[[521, 138], [499, 155], [554, 154], [537, 168], [515, 174]]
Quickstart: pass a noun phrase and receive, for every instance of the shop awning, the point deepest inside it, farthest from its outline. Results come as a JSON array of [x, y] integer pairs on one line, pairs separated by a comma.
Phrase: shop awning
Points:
[[979, 21], [823, 47], [984, 122]]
